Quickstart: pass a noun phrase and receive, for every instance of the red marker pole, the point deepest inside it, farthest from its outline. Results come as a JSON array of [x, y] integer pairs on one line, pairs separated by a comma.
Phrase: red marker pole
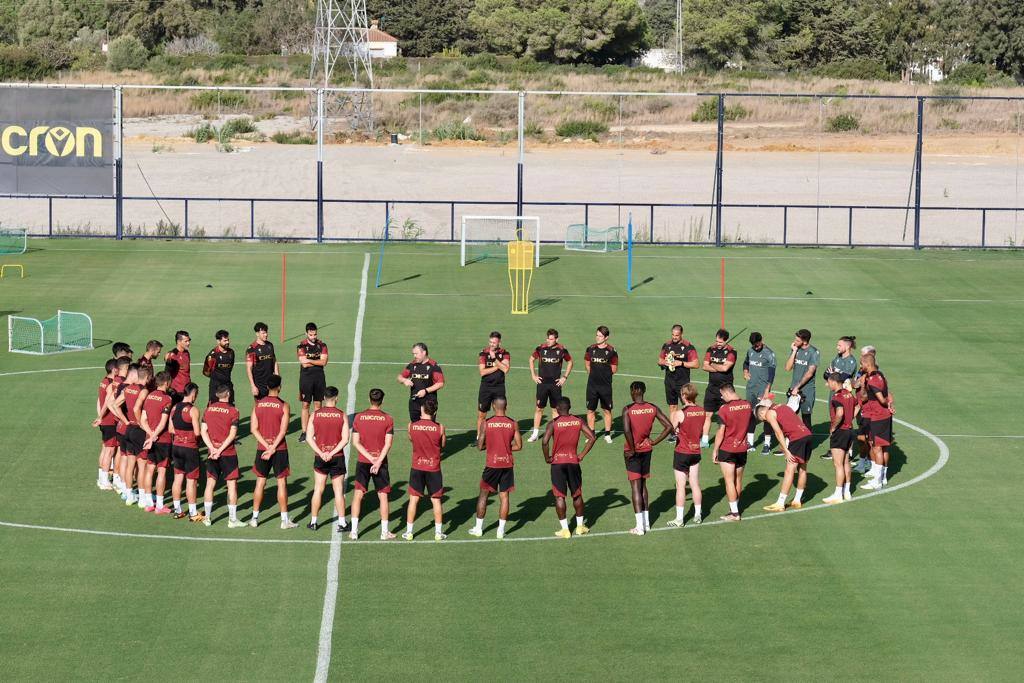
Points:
[[722, 295], [284, 289]]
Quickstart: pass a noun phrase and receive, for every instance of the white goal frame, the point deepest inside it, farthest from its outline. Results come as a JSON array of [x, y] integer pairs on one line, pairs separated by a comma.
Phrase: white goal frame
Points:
[[532, 219]]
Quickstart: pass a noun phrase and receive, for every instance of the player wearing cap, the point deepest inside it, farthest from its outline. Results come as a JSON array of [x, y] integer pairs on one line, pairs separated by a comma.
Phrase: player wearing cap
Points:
[[494, 363], [260, 361], [428, 441], [548, 377], [219, 429], [692, 424], [638, 420], [499, 438], [312, 355], [373, 431], [328, 435], [759, 374], [730, 449], [561, 450], [803, 360], [678, 356], [602, 362], [719, 360], [843, 407], [269, 425], [424, 378], [218, 365], [795, 440]]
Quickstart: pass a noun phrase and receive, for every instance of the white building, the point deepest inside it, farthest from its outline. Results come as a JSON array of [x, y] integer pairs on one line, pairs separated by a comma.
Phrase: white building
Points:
[[381, 45]]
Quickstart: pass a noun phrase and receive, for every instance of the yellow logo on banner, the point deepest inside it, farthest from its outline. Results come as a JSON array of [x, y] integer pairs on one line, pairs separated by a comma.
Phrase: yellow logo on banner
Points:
[[58, 141]]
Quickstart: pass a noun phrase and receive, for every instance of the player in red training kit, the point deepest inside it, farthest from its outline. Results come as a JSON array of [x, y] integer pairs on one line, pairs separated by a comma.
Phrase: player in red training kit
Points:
[[156, 410], [730, 450], [638, 420], [560, 445], [373, 432], [692, 424], [219, 429], [185, 452], [107, 423], [178, 362], [428, 440], [843, 408], [500, 437], [269, 424], [327, 434], [795, 440]]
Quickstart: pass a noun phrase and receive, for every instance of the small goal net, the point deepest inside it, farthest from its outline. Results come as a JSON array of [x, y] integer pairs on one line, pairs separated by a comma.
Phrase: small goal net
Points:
[[487, 237], [66, 331], [13, 241], [581, 237]]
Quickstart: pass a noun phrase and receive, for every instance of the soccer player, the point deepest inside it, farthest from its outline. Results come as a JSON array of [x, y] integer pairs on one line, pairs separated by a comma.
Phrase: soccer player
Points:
[[156, 410], [795, 440], [120, 374], [692, 425], [269, 424], [730, 448], [153, 349], [759, 374], [719, 360], [178, 362], [424, 378], [844, 363], [218, 365], [260, 361], [328, 436], [107, 424], [560, 445], [312, 354], [500, 438], [602, 362], [803, 360], [185, 439], [863, 427], [428, 440], [373, 432], [878, 411], [678, 356], [548, 377], [843, 407], [219, 429], [123, 404], [494, 364], [122, 350], [637, 425]]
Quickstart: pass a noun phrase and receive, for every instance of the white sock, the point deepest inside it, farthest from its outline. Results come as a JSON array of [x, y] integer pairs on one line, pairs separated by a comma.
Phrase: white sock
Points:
[[768, 441], [208, 507], [102, 476], [696, 510], [535, 433], [159, 501], [284, 516], [680, 512], [564, 523], [479, 525], [640, 521], [355, 525], [647, 519], [579, 522], [501, 526], [341, 520], [782, 499], [846, 489], [750, 440], [233, 512], [798, 496], [437, 527], [876, 469], [734, 507], [313, 520], [408, 529], [117, 481], [256, 515], [191, 509], [176, 504], [885, 473], [838, 492]]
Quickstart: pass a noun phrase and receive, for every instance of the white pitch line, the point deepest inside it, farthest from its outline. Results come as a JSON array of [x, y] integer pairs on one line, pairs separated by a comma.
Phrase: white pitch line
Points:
[[323, 655]]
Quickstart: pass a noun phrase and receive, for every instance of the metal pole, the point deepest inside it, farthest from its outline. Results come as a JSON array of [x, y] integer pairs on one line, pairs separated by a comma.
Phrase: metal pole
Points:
[[320, 166], [521, 129], [118, 165], [917, 173], [719, 143], [629, 254]]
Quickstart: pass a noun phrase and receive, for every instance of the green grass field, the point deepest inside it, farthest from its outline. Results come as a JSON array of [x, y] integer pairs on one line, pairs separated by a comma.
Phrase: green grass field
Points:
[[916, 583]]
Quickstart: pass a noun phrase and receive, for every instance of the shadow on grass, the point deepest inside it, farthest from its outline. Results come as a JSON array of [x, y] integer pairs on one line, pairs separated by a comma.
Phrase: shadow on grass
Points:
[[404, 279]]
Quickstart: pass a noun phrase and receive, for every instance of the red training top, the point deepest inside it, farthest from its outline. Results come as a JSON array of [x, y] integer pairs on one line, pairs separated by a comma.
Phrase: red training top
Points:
[[499, 433], [848, 402], [268, 412], [641, 418], [372, 426], [156, 405], [690, 430], [220, 417], [735, 417], [184, 431], [566, 439], [426, 445], [329, 425], [793, 428]]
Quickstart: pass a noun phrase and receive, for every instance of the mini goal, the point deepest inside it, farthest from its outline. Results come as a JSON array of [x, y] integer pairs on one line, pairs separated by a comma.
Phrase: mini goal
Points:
[[66, 331], [13, 241], [581, 237], [487, 237]]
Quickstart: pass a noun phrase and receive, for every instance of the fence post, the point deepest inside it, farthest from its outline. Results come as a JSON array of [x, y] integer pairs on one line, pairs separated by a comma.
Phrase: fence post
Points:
[[186, 218], [917, 173], [520, 133], [49, 211], [320, 165], [651, 222], [252, 219], [451, 221], [785, 226], [983, 220], [719, 140], [119, 165], [849, 228]]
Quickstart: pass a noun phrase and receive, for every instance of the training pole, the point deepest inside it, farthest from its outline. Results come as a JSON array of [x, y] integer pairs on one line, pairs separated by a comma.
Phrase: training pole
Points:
[[721, 307], [629, 253], [284, 289]]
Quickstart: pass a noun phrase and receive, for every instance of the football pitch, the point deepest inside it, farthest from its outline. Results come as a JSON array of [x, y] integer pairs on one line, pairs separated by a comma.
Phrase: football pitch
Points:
[[918, 581]]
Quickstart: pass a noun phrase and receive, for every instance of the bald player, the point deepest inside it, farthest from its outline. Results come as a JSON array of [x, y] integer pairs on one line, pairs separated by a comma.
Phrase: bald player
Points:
[[499, 437]]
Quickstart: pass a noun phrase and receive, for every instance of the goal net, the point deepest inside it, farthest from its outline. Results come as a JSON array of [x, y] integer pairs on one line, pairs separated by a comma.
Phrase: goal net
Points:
[[13, 240], [66, 331], [580, 237], [486, 237]]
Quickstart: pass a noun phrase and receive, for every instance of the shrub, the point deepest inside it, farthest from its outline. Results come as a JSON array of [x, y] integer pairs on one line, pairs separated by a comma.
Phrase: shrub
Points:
[[126, 52], [23, 64], [293, 137], [580, 128], [601, 108], [950, 91], [862, 68], [197, 45], [239, 126], [533, 129], [219, 99], [972, 75], [707, 111], [841, 123], [203, 133], [456, 130]]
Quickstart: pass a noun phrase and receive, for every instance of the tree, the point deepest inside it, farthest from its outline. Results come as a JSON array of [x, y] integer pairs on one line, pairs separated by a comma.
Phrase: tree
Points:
[[950, 36], [425, 27], [816, 32], [719, 30], [903, 27], [661, 22], [126, 52], [45, 19], [999, 35]]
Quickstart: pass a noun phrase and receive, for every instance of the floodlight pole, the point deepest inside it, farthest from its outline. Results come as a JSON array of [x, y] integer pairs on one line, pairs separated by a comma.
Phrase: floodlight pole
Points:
[[520, 134], [320, 165], [119, 164], [719, 142]]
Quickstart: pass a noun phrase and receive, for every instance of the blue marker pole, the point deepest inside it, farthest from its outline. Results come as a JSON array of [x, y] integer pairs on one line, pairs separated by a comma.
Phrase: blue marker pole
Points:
[[629, 254], [380, 259]]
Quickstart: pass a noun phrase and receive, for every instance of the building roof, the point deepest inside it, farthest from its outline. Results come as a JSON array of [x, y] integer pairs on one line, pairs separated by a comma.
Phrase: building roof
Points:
[[375, 35]]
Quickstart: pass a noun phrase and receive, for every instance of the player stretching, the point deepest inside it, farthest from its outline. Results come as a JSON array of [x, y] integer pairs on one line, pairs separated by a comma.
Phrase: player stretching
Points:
[[260, 361], [218, 365], [803, 360], [185, 452], [602, 362], [156, 410], [494, 364], [843, 407], [759, 373], [878, 411], [795, 440], [424, 378], [178, 362], [269, 424], [560, 445], [500, 438], [373, 431], [730, 449], [328, 436], [692, 425], [312, 354], [719, 360], [107, 424], [678, 356], [428, 440], [219, 429], [637, 424], [548, 377]]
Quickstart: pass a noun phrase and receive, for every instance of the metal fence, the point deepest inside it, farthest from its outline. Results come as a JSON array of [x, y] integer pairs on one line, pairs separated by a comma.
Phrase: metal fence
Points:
[[686, 168]]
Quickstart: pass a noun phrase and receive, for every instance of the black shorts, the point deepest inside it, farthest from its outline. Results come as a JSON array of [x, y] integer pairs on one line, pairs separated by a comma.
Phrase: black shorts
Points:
[[863, 426], [381, 480], [278, 462], [225, 467], [185, 461], [713, 399], [121, 441], [312, 387], [841, 439], [548, 395], [487, 395], [108, 435], [801, 449], [335, 467], [216, 384], [880, 432], [567, 480], [414, 407], [599, 393], [425, 483], [738, 459], [682, 462], [672, 388], [639, 466], [502, 479], [160, 454], [134, 440]]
